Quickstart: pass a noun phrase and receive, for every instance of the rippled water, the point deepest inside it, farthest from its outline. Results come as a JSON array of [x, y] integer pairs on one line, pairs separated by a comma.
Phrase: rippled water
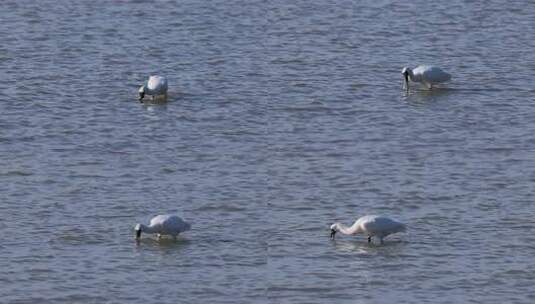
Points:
[[282, 119]]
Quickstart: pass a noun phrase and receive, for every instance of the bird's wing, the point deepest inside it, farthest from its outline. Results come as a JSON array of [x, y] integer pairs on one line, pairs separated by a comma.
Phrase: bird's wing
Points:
[[434, 74], [390, 226], [164, 85], [383, 225], [163, 80], [157, 84], [158, 220], [175, 224], [371, 224], [154, 83]]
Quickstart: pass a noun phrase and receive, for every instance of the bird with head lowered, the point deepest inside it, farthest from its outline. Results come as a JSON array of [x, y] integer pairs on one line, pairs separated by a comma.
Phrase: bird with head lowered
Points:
[[426, 75], [371, 226], [163, 225]]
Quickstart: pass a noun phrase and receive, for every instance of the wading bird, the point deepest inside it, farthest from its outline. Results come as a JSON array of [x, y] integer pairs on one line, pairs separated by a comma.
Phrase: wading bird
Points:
[[370, 225], [154, 86], [425, 74], [163, 225]]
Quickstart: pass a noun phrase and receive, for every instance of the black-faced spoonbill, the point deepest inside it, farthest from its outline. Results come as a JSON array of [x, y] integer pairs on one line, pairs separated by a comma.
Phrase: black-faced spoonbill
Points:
[[154, 86], [163, 225], [425, 74], [370, 225]]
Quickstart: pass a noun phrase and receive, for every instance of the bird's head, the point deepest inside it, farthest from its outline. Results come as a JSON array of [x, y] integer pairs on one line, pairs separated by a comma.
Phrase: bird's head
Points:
[[406, 72], [138, 231], [141, 93], [334, 229]]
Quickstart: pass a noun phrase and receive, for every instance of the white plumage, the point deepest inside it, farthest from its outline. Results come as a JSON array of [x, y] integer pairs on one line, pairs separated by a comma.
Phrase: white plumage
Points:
[[154, 86], [164, 225], [370, 225], [425, 74]]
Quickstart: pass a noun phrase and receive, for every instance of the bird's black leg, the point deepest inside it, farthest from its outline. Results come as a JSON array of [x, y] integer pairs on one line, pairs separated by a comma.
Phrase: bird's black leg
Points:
[[369, 239]]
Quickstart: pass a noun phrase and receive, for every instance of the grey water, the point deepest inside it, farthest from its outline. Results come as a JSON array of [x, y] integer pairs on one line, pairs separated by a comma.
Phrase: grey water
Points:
[[283, 117]]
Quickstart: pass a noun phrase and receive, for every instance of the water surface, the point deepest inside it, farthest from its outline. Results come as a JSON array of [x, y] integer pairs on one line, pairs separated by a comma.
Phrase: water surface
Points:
[[282, 118]]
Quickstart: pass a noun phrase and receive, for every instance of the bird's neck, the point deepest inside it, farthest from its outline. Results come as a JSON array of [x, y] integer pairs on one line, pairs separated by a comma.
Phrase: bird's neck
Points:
[[147, 229], [354, 229], [413, 77]]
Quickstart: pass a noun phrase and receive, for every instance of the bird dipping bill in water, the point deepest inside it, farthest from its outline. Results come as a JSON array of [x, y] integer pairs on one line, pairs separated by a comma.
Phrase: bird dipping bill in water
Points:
[[370, 225], [163, 225], [425, 74], [154, 86]]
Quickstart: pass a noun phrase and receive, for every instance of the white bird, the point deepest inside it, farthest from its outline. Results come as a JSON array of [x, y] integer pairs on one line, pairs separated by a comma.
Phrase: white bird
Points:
[[425, 74], [163, 225], [154, 86], [370, 225]]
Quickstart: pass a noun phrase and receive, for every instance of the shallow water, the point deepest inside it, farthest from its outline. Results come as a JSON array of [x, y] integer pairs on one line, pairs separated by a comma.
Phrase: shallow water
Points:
[[282, 118]]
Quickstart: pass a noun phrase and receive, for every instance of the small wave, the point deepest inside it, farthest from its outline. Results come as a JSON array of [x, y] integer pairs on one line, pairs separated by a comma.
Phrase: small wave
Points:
[[16, 173]]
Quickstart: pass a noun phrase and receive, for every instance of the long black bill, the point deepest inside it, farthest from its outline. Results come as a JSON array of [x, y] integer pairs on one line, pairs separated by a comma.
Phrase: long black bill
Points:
[[406, 75], [333, 232], [138, 234]]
